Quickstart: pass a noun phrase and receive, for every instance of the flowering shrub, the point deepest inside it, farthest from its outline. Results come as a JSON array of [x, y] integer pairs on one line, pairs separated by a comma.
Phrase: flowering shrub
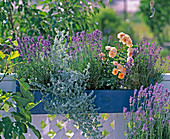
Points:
[[33, 63], [114, 61], [84, 48], [147, 68], [149, 116]]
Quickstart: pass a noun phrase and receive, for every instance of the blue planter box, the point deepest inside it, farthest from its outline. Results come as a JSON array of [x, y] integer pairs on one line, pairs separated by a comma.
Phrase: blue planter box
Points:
[[112, 101], [109, 101]]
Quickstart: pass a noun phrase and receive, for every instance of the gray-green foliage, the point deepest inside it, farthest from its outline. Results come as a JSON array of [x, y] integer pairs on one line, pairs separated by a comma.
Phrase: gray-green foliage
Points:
[[65, 92]]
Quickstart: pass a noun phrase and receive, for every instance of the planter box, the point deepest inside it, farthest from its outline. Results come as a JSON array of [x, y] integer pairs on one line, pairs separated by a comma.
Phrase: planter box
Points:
[[109, 101], [8, 84]]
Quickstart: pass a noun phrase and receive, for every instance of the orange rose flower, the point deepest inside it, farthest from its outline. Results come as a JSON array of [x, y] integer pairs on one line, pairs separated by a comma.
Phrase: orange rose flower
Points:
[[123, 71], [129, 42], [114, 71], [120, 35], [129, 54], [112, 54], [121, 75], [113, 49], [125, 39], [119, 67]]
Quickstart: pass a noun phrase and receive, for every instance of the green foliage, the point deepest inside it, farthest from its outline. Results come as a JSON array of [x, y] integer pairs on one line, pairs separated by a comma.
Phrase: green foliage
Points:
[[19, 18], [15, 126], [160, 19]]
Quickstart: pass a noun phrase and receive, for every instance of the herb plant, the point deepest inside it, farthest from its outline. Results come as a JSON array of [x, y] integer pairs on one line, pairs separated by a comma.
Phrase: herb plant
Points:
[[149, 116], [145, 70], [33, 63], [84, 48]]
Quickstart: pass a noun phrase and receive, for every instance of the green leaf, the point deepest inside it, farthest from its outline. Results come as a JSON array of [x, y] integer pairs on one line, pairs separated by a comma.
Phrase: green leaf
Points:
[[15, 43], [96, 9], [22, 101], [30, 106], [17, 129], [26, 93], [21, 137], [36, 132], [10, 37], [2, 55], [24, 84], [84, 2], [5, 97], [26, 114], [6, 107], [102, 4], [18, 116], [24, 127], [8, 127], [1, 126]]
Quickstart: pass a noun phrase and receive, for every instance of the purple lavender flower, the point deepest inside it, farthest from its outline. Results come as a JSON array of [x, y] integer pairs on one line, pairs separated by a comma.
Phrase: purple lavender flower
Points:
[[151, 114], [124, 109]]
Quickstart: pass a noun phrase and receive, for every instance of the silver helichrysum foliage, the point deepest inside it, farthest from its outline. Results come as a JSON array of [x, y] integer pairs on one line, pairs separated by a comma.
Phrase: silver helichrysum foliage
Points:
[[65, 92]]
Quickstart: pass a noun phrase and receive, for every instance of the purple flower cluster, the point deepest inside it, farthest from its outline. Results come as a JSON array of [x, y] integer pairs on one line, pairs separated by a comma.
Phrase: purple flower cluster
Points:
[[30, 48], [151, 117], [84, 48], [86, 43], [149, 51]]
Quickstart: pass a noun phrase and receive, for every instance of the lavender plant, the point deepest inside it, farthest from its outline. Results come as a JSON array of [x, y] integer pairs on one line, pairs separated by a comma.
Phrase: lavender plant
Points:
[[149, 116], [84, 48], [33, 62], [145, 70]]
